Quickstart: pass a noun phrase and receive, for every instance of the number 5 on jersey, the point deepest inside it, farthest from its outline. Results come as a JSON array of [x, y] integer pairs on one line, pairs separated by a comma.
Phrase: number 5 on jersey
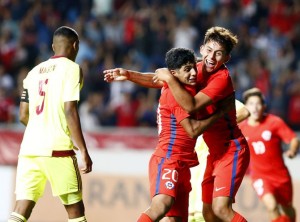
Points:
[[39, 109]]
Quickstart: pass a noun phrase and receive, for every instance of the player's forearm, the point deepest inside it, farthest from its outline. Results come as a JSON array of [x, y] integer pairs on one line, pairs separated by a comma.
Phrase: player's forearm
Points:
[[241, 114], [143, 79], [294, 145], [206, 123], [24, 120], [199, 126], [74, 126], [184, 98]]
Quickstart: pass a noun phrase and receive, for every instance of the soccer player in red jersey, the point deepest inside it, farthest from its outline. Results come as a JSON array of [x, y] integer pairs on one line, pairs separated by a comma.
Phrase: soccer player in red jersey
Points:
[[270, 176], [169, 167], [229, 156]]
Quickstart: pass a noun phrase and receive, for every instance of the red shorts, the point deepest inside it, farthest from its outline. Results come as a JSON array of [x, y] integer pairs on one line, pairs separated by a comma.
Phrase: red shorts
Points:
[[281, 189], [171, 177], [224, 172]]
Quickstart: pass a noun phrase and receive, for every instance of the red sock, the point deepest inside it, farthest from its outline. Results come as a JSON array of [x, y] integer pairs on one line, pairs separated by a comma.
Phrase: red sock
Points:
[[144, 218], [238, 218]]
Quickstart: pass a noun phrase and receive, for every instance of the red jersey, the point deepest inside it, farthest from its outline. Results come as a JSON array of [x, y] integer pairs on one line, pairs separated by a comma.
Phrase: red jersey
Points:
[[174, 142], [265, 140], [217, 86]]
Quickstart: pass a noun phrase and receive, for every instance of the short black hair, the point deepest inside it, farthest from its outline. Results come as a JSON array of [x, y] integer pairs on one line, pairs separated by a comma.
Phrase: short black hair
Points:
[[67, 32], [254, 92], [177, 57]]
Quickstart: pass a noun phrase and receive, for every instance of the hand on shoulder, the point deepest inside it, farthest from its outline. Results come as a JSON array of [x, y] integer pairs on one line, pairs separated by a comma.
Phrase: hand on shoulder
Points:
[[162, 74]]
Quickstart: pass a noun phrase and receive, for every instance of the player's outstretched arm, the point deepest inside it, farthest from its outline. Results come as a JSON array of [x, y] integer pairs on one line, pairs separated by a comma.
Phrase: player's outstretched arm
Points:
[[73, 121], [142, 79]]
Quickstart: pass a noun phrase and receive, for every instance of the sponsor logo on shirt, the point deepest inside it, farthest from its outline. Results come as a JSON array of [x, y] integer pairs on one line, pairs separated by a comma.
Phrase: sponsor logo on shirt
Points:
[[266, 135], [169, 185]]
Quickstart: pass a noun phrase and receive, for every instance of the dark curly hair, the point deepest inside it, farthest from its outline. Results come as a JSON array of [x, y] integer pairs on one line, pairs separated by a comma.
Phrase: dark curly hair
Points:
[[177, 57]]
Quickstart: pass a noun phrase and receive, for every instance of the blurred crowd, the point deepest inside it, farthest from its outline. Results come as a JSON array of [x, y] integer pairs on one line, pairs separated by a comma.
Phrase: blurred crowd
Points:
[[135, 34]]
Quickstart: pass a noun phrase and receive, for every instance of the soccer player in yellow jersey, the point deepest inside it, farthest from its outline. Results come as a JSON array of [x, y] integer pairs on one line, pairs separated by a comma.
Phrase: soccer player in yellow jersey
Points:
[[197, 172], [48, 109]]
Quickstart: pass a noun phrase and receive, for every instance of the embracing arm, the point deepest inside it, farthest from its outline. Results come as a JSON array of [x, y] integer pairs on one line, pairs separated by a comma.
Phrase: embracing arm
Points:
[[142, 79], [194, 128], [188, 102], [73, 121], [183, 97]]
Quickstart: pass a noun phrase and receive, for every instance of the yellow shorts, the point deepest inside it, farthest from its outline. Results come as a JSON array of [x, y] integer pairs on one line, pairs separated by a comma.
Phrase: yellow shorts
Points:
[[61, 172], [197, 173]]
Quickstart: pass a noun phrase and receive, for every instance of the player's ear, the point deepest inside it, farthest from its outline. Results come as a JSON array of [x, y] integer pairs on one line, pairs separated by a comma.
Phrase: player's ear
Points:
[[201, 49], [173, 72], [53, 47], [76, 45]]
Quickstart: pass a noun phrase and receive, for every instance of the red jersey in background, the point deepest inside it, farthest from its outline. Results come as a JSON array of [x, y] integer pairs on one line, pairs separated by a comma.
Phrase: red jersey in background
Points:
[[265, 142]]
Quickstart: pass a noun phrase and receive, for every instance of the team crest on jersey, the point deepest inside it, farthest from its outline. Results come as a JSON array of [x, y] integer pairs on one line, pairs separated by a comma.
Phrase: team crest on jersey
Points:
[[266, 135], [169, 185]]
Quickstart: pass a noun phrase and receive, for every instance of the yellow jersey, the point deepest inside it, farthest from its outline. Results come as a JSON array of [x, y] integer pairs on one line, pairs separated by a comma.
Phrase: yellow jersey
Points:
[[50, 84]]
